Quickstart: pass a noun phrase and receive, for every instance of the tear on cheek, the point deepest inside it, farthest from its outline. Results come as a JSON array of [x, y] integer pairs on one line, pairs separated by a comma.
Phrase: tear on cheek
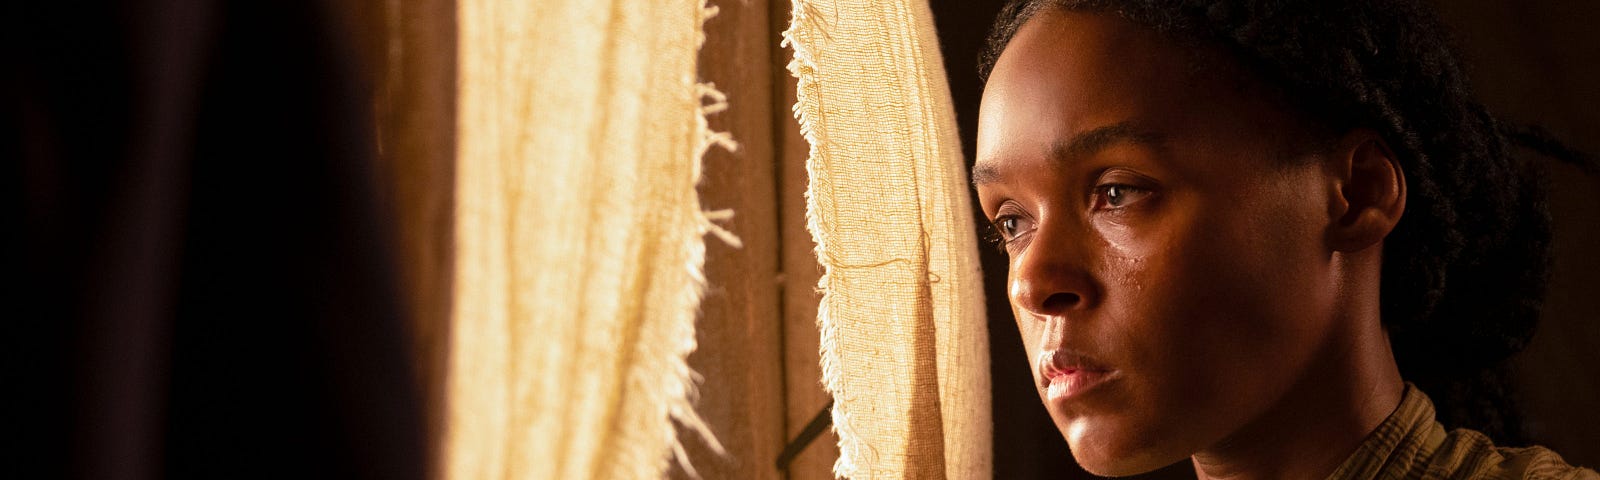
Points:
[[1126, 271]]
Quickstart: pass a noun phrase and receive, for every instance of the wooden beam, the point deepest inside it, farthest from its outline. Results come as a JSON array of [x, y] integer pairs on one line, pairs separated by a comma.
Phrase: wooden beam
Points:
[[740, 351]]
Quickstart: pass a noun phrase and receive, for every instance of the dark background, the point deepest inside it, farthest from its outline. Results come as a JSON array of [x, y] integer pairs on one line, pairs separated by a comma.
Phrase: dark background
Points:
[[206, 284], [1531, 62]]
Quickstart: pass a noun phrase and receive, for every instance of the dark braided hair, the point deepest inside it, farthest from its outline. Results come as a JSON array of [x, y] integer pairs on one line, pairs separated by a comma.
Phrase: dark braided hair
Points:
[[1464, 271]]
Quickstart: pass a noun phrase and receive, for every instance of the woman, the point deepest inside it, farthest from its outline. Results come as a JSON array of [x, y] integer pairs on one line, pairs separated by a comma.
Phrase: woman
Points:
[[1254, 234]]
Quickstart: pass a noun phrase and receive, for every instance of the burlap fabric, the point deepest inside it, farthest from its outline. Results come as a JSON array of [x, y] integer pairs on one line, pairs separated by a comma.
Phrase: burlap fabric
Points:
[[579, 237], [904, 343]]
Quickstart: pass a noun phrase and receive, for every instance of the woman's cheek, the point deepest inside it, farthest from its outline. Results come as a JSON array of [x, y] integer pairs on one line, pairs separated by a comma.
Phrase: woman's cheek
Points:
[[1129, 244]]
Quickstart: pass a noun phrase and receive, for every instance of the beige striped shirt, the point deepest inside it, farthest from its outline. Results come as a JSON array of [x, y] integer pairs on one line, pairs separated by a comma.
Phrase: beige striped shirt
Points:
[[1411, 444]]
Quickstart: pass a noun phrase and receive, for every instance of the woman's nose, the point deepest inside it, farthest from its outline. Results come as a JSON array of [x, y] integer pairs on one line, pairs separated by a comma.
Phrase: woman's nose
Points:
[[1051, 277]]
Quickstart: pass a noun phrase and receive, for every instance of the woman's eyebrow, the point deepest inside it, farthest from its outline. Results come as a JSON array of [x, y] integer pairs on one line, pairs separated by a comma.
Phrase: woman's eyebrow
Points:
[[984, 173], [1083, 144], [1090, 142]]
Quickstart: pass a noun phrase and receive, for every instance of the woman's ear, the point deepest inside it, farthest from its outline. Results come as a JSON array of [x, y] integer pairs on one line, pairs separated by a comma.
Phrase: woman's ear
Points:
[[1368, 190]]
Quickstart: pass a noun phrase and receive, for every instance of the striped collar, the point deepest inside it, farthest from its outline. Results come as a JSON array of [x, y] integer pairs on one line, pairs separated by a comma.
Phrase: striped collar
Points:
[[1411, 444]]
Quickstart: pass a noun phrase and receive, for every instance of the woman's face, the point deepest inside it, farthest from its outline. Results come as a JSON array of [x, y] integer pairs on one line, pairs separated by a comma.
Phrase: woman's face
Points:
[[1166, 229]]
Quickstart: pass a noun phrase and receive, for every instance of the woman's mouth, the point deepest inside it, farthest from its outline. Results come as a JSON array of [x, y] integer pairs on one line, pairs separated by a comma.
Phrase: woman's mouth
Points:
[[1073, 383], [1065, 374]]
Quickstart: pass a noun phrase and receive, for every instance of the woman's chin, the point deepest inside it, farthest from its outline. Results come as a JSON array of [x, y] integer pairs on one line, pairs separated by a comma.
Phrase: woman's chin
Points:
[[1104, 451]]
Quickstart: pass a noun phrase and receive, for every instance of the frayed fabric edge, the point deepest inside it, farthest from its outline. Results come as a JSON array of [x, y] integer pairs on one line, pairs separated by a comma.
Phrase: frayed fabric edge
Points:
[[805, 31], [681, 409]]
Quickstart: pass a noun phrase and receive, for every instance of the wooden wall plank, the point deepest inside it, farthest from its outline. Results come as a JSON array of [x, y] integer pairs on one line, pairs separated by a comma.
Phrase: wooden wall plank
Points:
[[739, 331]]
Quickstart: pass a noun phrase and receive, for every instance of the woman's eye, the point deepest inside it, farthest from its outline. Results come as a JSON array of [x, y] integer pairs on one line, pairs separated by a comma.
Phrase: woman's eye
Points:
[[1012, 226], [1008, 227], [1117, 196], [1005, 229]]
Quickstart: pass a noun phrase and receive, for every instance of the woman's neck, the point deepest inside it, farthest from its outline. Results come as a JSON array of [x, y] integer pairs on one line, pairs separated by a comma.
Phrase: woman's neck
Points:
[[1321, 420]]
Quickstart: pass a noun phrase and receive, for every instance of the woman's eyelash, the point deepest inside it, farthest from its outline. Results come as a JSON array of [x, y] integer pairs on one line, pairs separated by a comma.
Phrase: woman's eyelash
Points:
[[1004, 230], [993, 237]]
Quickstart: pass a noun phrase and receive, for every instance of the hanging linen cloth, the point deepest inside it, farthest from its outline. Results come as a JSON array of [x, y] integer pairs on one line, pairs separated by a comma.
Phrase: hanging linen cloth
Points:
[[904, 342], [579, 237]]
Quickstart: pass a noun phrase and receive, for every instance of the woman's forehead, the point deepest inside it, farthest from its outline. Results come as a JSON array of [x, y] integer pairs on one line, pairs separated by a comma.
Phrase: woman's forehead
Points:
[[1065, 74]]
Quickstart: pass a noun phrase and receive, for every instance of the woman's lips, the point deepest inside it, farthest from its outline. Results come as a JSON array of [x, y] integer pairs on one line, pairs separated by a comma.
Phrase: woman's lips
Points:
[[1071, 383], [1065, 374]]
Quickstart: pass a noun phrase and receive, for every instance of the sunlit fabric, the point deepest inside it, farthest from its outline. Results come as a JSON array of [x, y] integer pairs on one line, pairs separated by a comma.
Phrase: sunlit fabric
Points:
[[904, 344], [580, 237]]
